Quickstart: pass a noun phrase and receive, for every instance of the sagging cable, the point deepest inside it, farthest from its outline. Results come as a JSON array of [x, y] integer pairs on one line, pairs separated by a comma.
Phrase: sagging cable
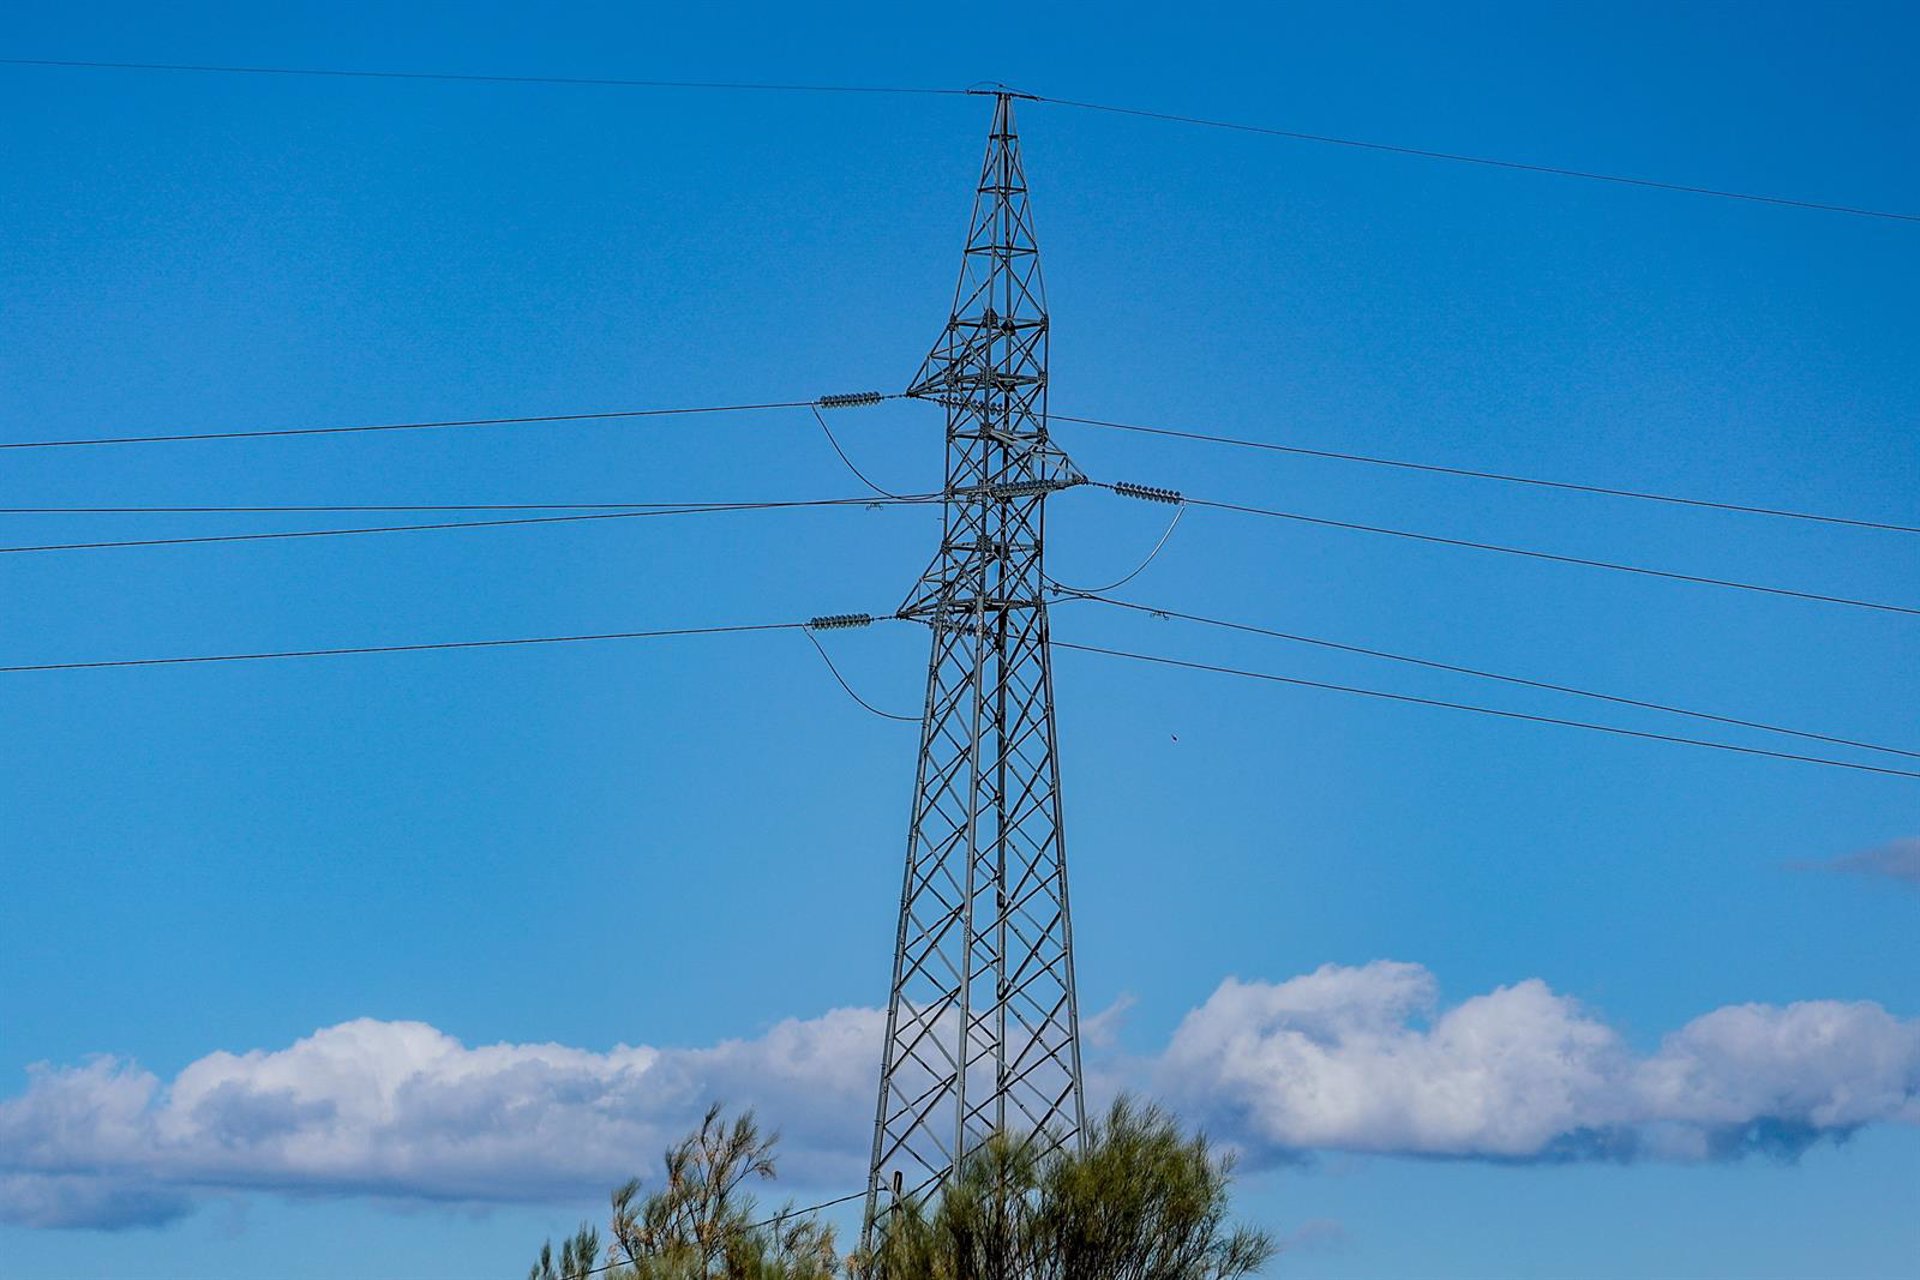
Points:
[[1138, 569], [858, 474], [838, 621]]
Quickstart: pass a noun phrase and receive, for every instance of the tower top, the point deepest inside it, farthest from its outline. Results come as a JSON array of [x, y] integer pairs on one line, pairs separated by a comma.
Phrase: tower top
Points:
[[1000, 295], [982, 88]]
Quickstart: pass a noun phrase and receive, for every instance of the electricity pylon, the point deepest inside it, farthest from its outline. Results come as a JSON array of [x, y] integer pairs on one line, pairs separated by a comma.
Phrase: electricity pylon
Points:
[[982, 1019]]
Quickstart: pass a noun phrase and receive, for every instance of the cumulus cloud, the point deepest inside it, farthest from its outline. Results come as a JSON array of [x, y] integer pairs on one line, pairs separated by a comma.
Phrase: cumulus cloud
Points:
[[1362, 1059], [1365, 1059], [1897, 860], [400, 1109]]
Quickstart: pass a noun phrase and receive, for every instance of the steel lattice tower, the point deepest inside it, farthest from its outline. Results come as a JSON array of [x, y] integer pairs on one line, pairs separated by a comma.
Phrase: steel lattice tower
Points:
[[982, 1019]]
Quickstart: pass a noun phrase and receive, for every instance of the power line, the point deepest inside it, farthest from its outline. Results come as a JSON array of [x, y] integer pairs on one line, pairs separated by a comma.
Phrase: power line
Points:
[[1454, 157], [1093, 593], [279, 535], [1139, 428], [812, 1208], [277, 432], [1485, 711], [806, 628], [1531, 554], [775, 1220], [402, 648], [821, 649], [337, 508], [1493, 675], [605, 82], [1552, 557], [594, 82], [858, 474], [1403, 464]]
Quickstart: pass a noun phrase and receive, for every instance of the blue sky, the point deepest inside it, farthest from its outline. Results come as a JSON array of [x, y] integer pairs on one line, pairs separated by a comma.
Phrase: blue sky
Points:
[[686, 844]]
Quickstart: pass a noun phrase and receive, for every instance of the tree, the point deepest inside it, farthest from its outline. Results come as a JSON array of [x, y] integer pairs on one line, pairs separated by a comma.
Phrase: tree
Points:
[[702, 1224], [577, 1257], [1139, 1202]]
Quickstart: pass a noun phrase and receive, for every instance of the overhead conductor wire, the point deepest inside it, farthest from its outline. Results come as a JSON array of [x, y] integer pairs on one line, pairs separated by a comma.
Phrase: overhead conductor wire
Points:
[[821, 649], [1470, 473], [441, 526], [1451, 157], [360, 428], [1456, 157], [1481, 674], [356, 650], [859, 475], [774, 1221], [807, 628], [1093, 592], [347, 508], [1524, 552], [1272, 678], [590, 82]]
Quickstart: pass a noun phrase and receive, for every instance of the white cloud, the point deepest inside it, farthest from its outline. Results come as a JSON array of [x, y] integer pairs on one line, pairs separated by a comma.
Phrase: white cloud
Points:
[[1761, 1076], [1365, 1059], [401, 1109], [1362, 1059]]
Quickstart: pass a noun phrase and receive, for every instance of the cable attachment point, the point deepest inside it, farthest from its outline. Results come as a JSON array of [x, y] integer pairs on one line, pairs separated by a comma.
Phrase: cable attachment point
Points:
[[839, 621], [1148, 492], [850, 400]]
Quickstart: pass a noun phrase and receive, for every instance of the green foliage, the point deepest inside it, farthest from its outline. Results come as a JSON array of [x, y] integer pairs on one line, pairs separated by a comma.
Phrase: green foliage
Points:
[[702, 1224], [1140, 1202], [577, 1257]]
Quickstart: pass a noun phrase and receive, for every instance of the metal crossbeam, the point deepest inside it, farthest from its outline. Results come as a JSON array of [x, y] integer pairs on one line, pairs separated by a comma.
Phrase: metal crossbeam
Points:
[[982, 1017]]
